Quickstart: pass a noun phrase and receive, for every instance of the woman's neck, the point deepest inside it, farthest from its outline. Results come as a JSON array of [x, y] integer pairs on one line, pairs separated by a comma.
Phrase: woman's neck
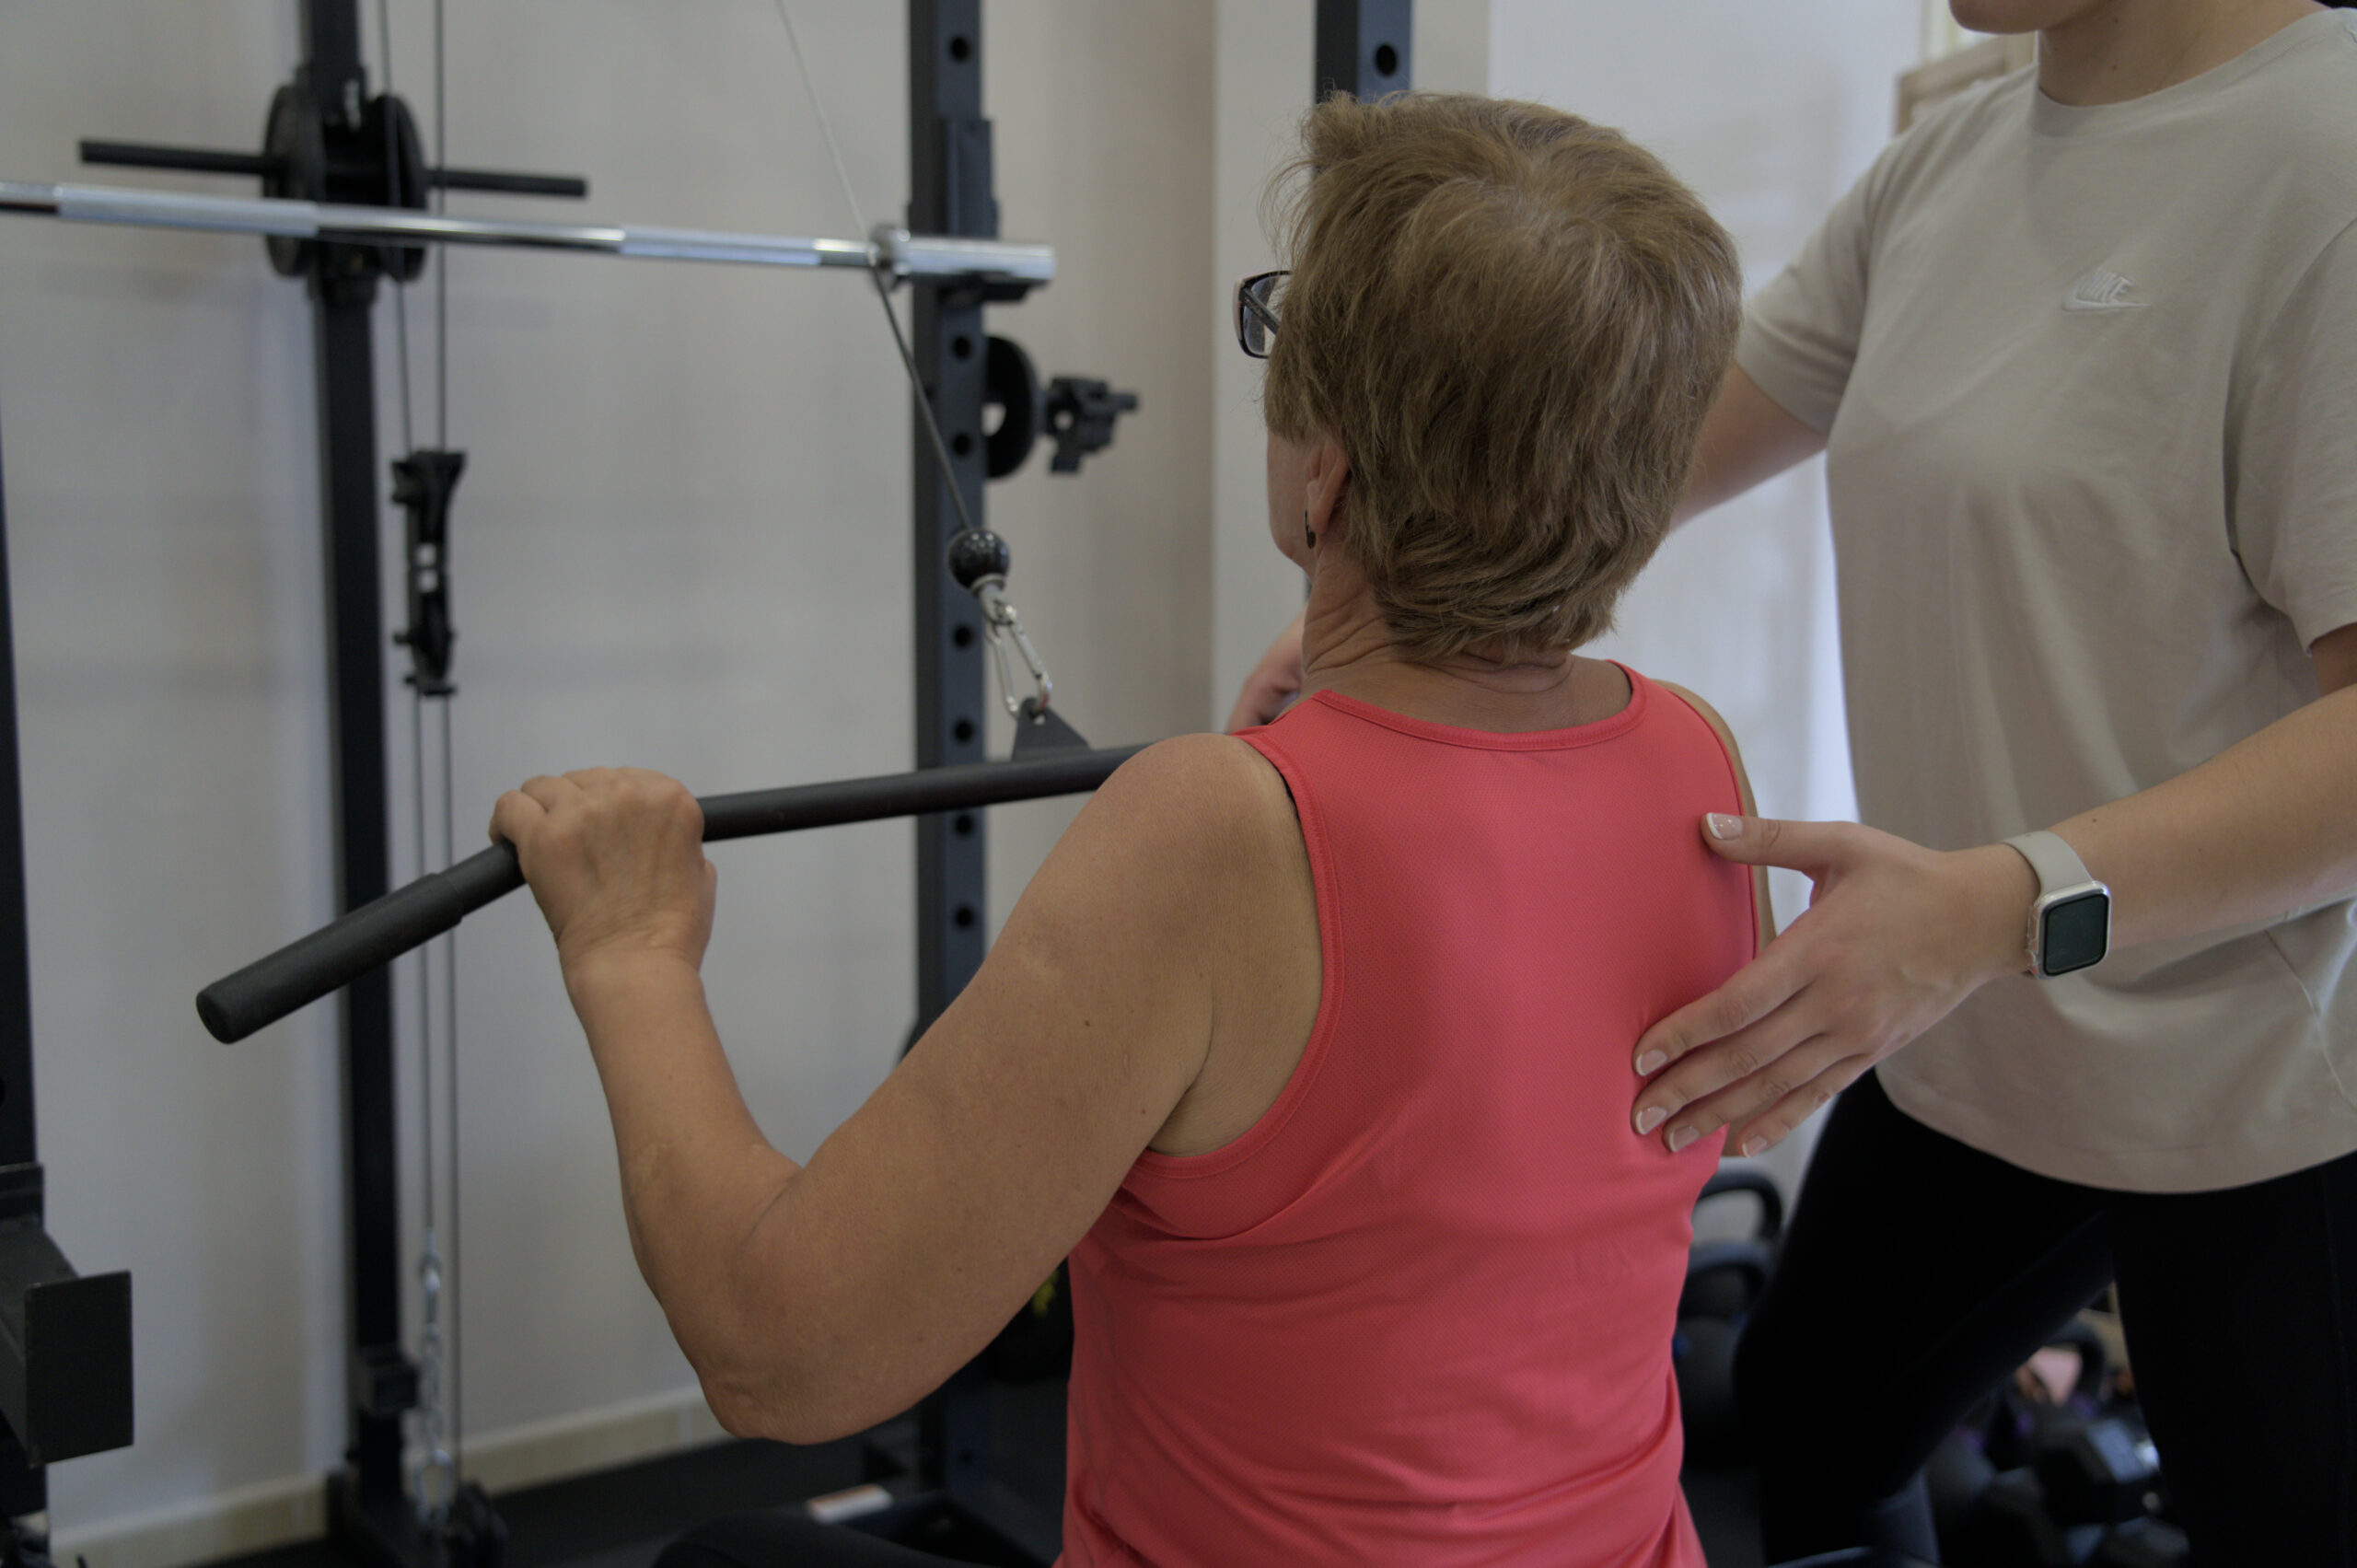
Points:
[[2119, 49], [1347, 649]]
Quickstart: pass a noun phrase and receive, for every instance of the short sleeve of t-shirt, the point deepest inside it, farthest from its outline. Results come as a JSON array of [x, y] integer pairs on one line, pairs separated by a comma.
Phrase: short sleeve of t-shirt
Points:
[[1800, 333], [2293, 444]]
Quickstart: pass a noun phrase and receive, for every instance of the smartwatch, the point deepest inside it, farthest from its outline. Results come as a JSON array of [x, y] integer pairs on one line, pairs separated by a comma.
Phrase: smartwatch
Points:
[[2070, 926]]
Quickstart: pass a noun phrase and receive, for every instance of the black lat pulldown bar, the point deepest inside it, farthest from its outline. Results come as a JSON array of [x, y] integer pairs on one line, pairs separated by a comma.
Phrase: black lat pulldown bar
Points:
[[340, 952]]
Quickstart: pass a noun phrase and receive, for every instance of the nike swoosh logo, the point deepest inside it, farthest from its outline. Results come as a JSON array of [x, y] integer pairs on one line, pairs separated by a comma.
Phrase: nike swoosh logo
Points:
[[2102, 289]]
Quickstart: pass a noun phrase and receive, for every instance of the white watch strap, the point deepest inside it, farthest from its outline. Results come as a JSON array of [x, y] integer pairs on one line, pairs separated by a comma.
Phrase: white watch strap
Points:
[[2057, 864]]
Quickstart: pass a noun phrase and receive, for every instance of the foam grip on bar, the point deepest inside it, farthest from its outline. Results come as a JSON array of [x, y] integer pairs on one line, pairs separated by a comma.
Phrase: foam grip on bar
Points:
[[349, 946], [376, 933]]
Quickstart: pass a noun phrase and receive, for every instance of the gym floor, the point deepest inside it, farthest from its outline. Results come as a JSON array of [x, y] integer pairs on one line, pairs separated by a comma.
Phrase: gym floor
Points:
[[623, 1519]]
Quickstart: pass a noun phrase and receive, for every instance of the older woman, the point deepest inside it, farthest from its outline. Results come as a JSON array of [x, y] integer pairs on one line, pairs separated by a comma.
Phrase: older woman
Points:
[[1310, 1046]]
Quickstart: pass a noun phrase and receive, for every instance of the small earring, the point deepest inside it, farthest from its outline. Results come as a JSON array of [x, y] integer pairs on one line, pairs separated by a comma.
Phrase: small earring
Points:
[[1306, 532]]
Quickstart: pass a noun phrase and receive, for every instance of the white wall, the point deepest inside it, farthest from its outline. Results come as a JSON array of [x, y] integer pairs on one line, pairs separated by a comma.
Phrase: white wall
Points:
[[681, 541]]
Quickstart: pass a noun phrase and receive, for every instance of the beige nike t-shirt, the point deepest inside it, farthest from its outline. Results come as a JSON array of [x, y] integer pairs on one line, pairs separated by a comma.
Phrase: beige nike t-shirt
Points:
[[2089, 380]]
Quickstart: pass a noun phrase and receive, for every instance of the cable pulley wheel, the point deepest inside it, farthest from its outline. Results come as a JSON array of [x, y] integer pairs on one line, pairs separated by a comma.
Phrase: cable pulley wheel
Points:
[[1011, 387]]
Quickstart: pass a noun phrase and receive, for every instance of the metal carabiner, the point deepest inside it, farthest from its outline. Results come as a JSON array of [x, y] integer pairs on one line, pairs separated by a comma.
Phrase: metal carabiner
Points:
[[1003, 625]]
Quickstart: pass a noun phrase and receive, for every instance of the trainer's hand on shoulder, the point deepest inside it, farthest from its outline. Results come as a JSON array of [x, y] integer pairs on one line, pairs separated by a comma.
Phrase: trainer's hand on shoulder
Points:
[[1274, 681], [615, 858], [1894, 937]]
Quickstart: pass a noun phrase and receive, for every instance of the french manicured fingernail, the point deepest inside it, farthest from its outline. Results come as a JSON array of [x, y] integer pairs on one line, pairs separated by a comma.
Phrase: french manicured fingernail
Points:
[[1722, 826], [1753, 1145], [1681, 1136], [1650, 1118], [1651, 1061]]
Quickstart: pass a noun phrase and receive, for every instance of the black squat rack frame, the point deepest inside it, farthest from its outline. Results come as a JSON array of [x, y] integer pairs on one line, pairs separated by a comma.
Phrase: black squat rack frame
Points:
[[345, 197]]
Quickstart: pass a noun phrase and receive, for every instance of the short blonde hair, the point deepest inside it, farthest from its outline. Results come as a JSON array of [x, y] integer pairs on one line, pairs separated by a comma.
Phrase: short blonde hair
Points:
[[1513, 322]]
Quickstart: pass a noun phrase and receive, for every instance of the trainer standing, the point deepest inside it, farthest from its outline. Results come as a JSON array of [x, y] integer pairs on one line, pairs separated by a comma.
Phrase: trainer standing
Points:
[[2082, 353]]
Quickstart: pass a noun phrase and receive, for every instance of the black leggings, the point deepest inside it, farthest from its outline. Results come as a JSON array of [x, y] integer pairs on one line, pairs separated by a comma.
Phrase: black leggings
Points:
[[1918, 1273]]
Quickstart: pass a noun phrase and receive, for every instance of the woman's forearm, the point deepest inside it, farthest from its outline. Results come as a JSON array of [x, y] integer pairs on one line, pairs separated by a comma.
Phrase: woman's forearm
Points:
[[1896, 935], [698, 1177], [2266, 827]]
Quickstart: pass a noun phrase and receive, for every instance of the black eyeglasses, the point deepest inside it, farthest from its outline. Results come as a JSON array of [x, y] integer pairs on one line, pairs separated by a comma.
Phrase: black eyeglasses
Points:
[[1256, 311]]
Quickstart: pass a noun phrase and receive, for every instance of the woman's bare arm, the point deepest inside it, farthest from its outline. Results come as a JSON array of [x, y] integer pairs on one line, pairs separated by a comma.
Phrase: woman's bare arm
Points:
[[1748, 438], [815, 1300]]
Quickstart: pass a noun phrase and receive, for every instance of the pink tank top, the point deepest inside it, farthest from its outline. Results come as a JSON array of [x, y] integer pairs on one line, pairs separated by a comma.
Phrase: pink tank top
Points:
[[1421, 1313]]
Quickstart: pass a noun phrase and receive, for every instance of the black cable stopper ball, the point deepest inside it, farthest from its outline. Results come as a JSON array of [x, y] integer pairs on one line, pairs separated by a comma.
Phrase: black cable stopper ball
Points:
[[978, 553]]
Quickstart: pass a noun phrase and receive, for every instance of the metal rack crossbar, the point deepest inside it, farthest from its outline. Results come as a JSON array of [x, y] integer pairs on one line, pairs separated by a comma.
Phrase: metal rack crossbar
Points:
[[892, 251]]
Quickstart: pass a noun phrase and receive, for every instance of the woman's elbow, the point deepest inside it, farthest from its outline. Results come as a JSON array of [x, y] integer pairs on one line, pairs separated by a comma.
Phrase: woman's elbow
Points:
[[788, 1369], [744, 1412], [784, 1407], [741, 1414]]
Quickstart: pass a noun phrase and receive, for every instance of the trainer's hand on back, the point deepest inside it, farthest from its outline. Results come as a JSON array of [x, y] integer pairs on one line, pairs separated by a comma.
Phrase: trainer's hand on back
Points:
[[1274, 681], [615, 858], [1895, 935]]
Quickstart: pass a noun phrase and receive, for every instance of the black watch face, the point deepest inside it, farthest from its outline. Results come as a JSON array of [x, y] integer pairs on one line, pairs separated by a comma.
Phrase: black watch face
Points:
[[2077, 931]]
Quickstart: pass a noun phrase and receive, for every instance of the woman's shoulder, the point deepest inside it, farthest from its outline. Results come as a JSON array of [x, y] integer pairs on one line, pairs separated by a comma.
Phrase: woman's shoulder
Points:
[[1194, 796], [1967, 123], [2284, 164], [2312, 73], [1702, 710], [1700, 716], [1206, 767], [1972, 110], [2307, 124]]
